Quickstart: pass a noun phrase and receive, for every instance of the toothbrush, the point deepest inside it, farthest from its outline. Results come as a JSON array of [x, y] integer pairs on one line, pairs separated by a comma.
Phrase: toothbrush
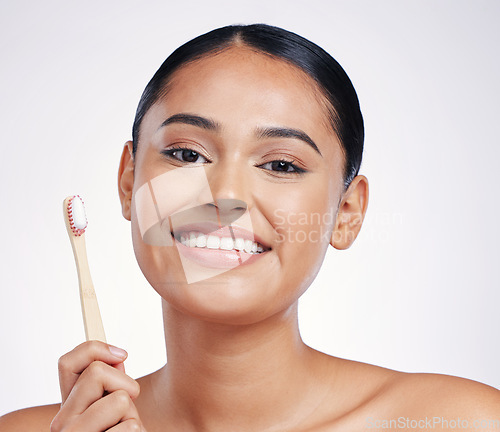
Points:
[[76, 223]]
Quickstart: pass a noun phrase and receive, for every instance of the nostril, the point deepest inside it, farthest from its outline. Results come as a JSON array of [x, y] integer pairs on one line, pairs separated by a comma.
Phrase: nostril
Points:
[[228, 204]]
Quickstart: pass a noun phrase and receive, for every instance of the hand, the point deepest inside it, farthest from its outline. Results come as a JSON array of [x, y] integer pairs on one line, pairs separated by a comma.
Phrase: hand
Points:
[[96, 393]]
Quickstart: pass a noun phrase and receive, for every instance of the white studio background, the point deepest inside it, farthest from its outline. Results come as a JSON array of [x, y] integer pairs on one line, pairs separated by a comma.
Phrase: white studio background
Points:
[[419, 290]]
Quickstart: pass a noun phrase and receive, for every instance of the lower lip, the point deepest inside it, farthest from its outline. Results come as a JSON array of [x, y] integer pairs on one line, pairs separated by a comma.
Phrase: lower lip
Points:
[[217, 258]]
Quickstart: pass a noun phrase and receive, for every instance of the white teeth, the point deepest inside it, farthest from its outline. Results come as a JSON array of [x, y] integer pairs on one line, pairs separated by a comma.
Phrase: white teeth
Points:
[[197, 239], [248, 246], [239, 244], [213, 242], [226, 243], [201, 241]]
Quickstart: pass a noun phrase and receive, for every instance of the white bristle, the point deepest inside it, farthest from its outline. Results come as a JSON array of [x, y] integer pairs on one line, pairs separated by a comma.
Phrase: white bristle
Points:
[[78, 213]]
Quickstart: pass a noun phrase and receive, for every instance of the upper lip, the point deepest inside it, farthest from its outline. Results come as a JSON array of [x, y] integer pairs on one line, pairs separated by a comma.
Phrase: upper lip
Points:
[[210, 228]]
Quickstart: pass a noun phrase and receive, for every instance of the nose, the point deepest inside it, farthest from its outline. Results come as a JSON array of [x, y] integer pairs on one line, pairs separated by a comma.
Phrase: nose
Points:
[[229, 209], [229, 190]]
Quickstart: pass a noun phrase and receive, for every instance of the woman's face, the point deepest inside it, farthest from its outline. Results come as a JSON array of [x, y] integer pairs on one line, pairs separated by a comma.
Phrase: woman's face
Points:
[[241, 112]]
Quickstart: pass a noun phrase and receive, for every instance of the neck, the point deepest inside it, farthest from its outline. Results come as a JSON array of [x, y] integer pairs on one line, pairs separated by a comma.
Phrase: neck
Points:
[[219, 376]]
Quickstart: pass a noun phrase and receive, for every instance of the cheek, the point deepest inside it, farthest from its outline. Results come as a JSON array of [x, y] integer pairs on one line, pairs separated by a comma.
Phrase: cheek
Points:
[[303, 219], [160, 264], [156, 196], [303, 214]]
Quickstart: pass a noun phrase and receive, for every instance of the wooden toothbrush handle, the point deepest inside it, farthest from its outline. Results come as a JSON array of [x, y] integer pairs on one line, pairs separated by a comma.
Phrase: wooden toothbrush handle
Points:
[[94, 329]]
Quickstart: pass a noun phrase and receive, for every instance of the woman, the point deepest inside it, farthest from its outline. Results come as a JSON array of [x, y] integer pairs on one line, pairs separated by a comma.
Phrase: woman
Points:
[[242, 170]]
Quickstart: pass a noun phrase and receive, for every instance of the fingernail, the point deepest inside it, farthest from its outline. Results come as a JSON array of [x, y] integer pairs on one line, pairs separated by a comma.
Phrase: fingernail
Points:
[[117, 352]]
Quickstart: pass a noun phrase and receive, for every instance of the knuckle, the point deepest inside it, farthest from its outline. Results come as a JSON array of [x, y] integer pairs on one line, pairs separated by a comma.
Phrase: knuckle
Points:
[[122, 399], [95, 369], [63, 363], [133, 425]]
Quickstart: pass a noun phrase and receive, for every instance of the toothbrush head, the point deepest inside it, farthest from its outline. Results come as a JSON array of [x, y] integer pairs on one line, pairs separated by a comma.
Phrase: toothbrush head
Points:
[[76, 215]]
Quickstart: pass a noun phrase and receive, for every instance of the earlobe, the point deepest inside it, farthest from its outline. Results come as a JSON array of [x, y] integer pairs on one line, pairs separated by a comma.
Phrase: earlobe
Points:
[[126, 179], [351, 213]]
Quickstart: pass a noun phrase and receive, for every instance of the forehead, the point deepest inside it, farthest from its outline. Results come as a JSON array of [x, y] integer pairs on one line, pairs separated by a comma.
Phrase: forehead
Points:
[[258, 77]]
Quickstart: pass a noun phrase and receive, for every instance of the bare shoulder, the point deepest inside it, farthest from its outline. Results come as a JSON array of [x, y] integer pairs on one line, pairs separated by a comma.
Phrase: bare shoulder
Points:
[[425, 391], [374, 397], [34, 419], [445, 396]]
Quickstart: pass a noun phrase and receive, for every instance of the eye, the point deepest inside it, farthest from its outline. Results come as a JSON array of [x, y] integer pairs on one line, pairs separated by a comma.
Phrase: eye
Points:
[[284, 166], [186, 155]]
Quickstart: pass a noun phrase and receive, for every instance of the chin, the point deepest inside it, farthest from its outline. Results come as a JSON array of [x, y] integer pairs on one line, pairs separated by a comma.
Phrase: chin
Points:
[[225, 300]]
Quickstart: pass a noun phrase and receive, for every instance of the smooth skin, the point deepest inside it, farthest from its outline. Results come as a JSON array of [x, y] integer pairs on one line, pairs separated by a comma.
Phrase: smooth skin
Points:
[[236, 361]]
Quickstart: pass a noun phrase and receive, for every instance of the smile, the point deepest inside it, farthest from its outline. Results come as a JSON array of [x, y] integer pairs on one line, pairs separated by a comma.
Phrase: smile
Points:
[[194, 239], [210, 245]]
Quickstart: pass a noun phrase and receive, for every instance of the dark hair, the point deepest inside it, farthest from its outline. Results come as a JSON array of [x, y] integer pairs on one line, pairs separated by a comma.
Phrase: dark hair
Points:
[[345, 114]]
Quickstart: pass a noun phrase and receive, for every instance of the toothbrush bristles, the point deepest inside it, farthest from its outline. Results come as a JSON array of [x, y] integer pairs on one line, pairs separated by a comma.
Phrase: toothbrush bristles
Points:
[[77, 219]]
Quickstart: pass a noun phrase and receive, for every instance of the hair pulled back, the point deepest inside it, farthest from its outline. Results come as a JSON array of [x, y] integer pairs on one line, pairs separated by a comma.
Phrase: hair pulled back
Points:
[[345, 114]]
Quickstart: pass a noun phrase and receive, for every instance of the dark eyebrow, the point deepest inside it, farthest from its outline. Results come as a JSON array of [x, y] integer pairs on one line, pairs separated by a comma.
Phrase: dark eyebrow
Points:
[[266, 132], [193, 120], [280, 132]]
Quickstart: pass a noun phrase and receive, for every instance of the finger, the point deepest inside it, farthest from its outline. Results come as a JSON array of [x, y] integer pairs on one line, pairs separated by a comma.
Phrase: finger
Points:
[[128, 426], [72, 364], [120, 367], [93, 382], [115, 411]]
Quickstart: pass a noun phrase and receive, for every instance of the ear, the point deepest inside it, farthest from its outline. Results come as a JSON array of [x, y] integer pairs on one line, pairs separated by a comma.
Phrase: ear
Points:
[[126, 179], [351, 213]]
